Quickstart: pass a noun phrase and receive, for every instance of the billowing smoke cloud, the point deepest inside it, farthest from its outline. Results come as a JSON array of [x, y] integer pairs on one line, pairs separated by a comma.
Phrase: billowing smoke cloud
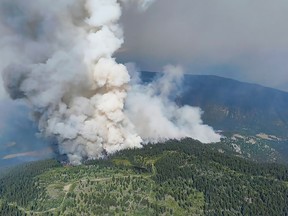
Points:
[[156, 117], [59, 57]]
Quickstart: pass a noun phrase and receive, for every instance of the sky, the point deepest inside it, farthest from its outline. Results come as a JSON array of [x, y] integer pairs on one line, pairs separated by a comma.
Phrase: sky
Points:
[[242, 39]]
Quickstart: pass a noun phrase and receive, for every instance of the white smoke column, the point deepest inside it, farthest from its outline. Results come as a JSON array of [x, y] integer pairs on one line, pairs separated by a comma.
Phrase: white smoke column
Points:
[[157, 118], [64, 68], [58, 56]]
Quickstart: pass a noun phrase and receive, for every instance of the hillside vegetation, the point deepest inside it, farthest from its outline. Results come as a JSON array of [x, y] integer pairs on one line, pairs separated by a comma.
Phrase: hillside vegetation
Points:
[[173, 178]]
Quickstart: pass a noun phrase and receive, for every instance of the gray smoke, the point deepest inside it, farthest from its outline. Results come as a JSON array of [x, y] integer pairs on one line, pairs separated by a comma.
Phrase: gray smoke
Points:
[[59, 57], [142, 4], [156, 117]]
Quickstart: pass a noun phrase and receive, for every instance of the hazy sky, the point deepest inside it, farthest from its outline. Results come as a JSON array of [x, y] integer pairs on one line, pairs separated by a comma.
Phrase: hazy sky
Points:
[[242, 39], [18, 135]]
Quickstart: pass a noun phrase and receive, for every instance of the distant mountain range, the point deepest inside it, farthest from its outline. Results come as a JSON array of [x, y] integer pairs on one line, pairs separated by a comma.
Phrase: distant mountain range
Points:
[[231, 105]]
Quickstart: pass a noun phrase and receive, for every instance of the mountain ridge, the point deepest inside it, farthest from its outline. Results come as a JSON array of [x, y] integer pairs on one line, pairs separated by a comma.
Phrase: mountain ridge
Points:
[[232, 105]]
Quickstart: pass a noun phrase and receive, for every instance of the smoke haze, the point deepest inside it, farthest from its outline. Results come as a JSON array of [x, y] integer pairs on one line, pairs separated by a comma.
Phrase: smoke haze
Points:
[[18, 135], [59, 58], [157, 118], [242, 39]]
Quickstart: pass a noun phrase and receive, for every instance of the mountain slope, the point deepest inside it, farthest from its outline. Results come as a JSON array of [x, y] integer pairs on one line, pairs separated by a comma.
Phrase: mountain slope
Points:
[[231, 105], [174, 178]]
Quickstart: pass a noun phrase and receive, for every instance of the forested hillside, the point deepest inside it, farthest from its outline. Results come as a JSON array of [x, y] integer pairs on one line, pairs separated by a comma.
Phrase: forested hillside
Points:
[[173, 178]]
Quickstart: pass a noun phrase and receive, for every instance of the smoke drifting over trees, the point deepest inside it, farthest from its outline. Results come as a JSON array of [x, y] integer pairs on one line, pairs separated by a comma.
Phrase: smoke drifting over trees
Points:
[[59, 57]]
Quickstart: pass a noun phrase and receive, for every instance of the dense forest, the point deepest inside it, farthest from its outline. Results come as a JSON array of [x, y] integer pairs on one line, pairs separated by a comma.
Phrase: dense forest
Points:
[[172, 178]]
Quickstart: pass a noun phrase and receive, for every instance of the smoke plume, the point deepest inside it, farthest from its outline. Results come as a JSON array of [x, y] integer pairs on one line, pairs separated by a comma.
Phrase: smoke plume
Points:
[[59, 57], [156, 117]]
